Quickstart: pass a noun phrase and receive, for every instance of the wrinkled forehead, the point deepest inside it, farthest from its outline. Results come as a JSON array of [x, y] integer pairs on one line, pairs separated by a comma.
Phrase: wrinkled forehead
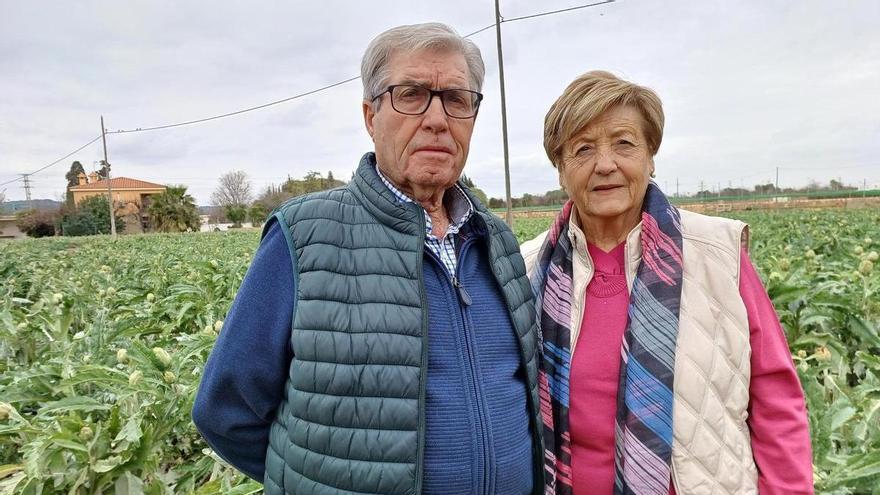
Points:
[[428, 66], [615, 121]]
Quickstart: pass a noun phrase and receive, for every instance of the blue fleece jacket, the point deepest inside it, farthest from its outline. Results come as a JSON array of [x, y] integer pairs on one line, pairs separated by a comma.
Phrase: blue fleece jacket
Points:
[[477, 425]]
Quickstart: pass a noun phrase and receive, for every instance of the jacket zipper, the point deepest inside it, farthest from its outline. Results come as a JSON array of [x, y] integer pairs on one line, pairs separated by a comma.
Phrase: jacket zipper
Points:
[[465, 301], [535, 422], [470, 342]]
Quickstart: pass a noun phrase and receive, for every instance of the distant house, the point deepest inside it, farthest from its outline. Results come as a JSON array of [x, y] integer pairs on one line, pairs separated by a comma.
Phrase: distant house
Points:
[[131, 197], [8, 228]]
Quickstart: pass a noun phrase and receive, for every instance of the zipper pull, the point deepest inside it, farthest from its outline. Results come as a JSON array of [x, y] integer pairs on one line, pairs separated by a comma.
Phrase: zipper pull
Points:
[[462, 292]]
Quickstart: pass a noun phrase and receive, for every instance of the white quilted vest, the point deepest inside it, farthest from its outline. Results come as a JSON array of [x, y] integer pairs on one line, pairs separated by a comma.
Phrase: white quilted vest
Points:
[[711, 452]]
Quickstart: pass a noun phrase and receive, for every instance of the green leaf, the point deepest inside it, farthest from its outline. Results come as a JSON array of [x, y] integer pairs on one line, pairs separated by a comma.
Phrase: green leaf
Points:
[[841, 416], [101, 376], [863, 329], [209, 488], [9, 469], [128, 484], [68, 404], [183, 310], [107, 464], [9, 485], [248, 488], [869, 359], [861, 466], [70, 444], [130, 434]]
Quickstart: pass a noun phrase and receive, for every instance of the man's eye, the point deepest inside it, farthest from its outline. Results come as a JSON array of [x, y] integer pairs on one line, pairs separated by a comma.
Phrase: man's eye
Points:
[[457, 97], [409, 93]]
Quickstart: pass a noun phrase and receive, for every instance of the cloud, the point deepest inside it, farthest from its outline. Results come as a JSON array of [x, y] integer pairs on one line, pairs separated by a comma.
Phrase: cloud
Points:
[[747, 87]]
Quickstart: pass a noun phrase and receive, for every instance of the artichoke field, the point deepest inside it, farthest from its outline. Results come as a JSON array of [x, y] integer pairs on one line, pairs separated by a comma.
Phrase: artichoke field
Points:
[[102, 343]]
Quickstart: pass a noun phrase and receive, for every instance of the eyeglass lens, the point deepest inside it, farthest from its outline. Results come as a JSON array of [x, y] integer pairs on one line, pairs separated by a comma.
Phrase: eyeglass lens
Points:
[[415, 100]]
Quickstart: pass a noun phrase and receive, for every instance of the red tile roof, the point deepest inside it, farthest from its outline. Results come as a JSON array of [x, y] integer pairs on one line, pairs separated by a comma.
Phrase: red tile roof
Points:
[[119, 183]]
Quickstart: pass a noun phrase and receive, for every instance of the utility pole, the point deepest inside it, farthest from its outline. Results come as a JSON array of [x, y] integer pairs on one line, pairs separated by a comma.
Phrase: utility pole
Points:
[[676, 187], [109, 187], [777, 180], [509, 215], [700, 191], [27, 189]]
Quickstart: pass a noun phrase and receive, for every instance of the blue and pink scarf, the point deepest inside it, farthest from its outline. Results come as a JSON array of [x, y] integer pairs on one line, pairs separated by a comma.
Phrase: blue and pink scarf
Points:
[[643, 433]]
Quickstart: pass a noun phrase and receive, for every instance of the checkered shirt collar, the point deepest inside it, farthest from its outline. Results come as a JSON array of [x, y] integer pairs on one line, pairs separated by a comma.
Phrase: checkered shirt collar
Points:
[[460, 206]]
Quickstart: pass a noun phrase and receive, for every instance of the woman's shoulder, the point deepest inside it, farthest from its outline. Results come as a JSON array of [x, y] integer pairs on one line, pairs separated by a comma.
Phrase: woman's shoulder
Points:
[[726, 233], [529, 250]]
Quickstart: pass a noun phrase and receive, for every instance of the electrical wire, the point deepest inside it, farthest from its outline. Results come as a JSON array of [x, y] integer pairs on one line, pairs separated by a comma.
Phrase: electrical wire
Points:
[[478, 31], [339, 83], [237, 112], [44, 167], [551, 12], [289, 98]]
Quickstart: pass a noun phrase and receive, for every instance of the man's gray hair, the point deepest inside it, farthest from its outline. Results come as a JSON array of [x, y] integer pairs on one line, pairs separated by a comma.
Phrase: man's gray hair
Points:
[[413, 38]]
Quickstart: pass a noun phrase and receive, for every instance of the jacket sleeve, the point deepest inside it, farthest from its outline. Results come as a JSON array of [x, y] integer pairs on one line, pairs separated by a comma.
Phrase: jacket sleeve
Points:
[[780, 432], [244, 378]]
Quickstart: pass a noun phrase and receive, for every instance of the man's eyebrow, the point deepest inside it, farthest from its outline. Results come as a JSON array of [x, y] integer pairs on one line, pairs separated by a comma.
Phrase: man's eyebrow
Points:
[[414, 82]]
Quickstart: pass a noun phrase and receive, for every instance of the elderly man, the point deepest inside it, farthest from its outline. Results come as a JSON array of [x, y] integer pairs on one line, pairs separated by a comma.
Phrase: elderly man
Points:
[[383, 340]]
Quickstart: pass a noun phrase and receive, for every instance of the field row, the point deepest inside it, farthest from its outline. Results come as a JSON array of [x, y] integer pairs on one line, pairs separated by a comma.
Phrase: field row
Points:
[[102, 344]]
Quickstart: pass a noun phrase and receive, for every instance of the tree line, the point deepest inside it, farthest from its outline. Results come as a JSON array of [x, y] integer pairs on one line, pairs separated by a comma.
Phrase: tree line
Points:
[[234, 201]]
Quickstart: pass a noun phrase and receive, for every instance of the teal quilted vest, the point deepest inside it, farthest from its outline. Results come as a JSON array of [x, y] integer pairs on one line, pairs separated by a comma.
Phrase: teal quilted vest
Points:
[[352, 421]]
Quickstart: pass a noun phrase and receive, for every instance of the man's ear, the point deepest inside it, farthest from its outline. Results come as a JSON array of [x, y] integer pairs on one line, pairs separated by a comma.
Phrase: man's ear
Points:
[[369, 115]]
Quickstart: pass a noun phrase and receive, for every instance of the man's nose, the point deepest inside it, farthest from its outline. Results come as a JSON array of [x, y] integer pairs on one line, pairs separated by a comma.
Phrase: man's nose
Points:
[[435, 117]]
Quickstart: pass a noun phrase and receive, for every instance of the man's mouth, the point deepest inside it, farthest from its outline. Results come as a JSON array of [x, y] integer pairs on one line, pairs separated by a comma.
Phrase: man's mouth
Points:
[[434, 149]]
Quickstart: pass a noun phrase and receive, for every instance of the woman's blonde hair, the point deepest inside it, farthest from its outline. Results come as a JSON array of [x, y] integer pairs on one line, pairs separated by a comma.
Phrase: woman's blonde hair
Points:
[[589, 96]]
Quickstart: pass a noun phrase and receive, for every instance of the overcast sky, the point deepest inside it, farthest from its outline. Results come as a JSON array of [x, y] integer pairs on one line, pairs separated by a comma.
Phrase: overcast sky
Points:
[[747, 86]]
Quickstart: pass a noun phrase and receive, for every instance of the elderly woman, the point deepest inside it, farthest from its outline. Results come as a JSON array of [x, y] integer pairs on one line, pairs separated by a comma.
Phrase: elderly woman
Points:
[[665, 368]]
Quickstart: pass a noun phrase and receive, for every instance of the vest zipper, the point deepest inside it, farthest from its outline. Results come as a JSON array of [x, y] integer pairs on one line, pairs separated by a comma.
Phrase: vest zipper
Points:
[[423, 372]]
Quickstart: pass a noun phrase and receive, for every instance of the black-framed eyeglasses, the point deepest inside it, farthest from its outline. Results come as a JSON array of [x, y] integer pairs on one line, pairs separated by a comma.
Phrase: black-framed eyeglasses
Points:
[[410, 99]]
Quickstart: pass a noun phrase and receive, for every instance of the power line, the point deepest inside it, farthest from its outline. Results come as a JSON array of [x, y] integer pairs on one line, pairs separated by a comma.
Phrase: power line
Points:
[[478, 31], [542, 14], [339, 83], [289, 98], [237, 112], [44, 167]]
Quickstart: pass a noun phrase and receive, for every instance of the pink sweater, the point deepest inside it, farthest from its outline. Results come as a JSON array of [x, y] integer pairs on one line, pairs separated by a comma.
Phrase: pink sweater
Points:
[[777, 415]]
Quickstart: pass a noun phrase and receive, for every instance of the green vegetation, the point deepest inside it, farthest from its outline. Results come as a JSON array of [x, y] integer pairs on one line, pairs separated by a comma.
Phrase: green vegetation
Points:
[[90, 217], [102, 344], [174, 211]]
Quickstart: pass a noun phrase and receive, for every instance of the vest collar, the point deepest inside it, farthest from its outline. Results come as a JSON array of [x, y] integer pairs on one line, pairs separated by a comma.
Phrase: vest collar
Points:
[[381, 202], [405, 217]]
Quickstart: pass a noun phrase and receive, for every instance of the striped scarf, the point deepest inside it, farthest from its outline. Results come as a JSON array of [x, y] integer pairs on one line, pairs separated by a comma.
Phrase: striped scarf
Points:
[[643, 432]]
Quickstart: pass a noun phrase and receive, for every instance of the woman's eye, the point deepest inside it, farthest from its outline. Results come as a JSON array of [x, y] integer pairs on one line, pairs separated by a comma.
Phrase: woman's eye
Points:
[[584, 149], [625, 142]]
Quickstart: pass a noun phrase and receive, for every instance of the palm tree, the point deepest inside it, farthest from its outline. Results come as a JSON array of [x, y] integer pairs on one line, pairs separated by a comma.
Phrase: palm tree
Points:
[[174, 211]]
